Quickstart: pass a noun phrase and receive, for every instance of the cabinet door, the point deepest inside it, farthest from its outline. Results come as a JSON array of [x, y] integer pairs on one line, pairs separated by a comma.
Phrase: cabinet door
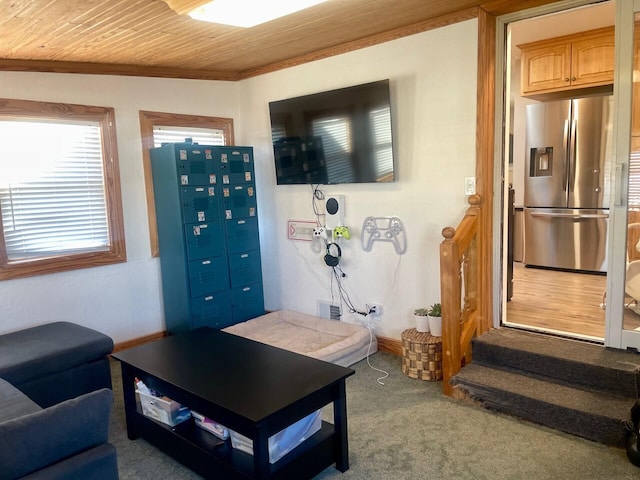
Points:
[[248, 302], [213, 310], [592, 60], [245, 268], [546, 68], [208, 275]]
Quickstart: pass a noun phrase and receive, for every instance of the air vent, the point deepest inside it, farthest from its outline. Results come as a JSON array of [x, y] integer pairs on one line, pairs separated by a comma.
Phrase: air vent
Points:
[[329, 311]]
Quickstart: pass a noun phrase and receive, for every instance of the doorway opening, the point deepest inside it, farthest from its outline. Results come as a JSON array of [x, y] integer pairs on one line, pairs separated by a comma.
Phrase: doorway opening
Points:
[[556, 267]]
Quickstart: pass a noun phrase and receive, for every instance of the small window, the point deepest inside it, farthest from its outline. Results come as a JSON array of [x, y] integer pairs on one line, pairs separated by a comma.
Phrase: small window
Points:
[[157, 128], [60, 206], [204, 136]]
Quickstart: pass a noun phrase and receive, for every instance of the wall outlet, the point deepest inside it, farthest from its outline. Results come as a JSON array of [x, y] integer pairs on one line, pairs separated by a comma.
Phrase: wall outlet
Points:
[[375, 310], [469, 185]]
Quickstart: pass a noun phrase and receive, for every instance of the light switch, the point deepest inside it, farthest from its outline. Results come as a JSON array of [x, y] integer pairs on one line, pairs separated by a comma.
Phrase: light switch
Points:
[[469, 185]]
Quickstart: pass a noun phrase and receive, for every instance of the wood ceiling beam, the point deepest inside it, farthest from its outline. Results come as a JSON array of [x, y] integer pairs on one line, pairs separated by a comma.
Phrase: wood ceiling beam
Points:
[[112, 69]]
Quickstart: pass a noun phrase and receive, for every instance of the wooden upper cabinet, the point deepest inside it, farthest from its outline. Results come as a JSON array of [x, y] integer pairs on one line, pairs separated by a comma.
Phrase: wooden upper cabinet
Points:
[[566, 63]]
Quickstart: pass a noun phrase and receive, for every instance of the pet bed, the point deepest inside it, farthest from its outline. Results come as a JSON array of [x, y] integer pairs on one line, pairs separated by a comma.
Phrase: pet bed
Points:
[[329, 340]]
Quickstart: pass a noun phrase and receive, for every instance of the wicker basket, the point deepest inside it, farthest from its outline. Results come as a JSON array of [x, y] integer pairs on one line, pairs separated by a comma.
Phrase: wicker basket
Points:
[[421, 355]]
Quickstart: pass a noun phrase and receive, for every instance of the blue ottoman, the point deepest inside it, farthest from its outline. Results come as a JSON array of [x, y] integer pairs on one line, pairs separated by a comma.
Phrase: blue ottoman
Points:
[[55, 362]]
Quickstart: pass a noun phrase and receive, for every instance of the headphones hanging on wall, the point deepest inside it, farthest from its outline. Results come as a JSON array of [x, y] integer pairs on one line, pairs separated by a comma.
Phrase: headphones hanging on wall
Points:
[[332, 259]]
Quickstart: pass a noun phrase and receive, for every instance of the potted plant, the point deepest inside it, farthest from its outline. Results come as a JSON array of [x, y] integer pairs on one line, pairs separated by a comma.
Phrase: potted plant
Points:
[[435, 320], [422, 319]]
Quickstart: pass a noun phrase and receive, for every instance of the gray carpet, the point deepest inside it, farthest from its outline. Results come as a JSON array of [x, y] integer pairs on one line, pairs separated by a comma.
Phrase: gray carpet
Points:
[[407, 429], [576, 387]]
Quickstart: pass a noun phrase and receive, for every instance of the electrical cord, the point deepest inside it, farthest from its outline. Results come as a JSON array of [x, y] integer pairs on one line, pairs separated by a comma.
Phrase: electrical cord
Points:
[[338, 274], [316, 194], [385, 373]]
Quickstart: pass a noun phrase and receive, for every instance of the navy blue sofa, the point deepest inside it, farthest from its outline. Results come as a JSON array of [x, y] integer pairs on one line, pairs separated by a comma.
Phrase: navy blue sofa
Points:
[[55, 404]]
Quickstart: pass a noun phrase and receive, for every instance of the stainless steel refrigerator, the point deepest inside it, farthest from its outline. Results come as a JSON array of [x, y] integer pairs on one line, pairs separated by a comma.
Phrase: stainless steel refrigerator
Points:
[[566, 188]]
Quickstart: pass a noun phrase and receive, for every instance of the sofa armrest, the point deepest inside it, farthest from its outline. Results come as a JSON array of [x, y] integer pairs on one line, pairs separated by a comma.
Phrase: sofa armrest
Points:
[[39, 439]]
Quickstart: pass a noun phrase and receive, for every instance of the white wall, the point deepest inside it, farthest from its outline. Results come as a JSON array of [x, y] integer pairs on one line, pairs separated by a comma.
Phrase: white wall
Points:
[[433, 87], [122, 300], [433, 90]]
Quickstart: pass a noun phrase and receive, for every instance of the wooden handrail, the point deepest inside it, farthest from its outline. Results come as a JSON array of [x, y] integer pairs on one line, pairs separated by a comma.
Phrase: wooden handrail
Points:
[[459, 278]]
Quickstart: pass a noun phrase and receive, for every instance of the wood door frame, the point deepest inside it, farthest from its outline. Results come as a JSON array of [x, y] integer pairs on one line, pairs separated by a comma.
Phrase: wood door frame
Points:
[[490, 152], [485, 164]]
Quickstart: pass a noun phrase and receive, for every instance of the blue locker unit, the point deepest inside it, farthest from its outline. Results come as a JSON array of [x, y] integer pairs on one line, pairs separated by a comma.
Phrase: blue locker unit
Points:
[[204, 239], [235, 166], [208, 275], [239, 201], [197, 165], [213, 310], [209, 245], [242, 234], [245, 268], [247, 301], [200, 204]]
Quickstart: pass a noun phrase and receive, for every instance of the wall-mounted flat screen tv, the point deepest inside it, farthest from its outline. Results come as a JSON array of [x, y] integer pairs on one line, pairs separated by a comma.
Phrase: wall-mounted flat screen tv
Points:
[[337, 136]]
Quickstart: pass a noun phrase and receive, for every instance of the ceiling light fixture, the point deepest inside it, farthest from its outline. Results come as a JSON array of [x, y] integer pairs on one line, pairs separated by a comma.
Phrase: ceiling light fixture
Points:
[[248, 13]]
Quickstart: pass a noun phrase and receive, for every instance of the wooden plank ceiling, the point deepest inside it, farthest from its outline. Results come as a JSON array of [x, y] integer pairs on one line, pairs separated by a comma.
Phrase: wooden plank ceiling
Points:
[[149, 38]]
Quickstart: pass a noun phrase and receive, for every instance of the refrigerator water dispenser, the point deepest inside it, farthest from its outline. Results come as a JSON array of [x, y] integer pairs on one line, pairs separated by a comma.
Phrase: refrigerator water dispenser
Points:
[[541, 162]]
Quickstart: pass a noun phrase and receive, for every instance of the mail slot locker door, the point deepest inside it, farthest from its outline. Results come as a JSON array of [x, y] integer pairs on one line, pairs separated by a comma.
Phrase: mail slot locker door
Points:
[[245, 268], [200, 204], [196, 165], [212, 310], [208, 275], [204, 240], [242, 235], [235, 165], [248, 302], [239, 201]]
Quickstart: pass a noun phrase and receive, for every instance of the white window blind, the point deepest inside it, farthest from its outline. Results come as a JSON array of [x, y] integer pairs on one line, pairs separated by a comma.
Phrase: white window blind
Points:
[[336, 143], [634, 180], [380, 121], [278, 132], [202, 136], [52, 188]]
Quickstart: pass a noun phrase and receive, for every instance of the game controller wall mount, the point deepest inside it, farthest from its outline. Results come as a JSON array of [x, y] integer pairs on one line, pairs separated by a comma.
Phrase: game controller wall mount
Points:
[[383, 229]]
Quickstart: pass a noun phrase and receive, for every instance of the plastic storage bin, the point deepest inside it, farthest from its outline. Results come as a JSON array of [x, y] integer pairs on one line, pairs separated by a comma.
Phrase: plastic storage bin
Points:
[[209, 425], [285, 440], [163, 409]]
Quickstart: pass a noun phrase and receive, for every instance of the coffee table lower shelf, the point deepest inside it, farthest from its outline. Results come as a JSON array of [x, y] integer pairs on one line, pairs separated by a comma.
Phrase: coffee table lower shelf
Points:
[[209, 457]]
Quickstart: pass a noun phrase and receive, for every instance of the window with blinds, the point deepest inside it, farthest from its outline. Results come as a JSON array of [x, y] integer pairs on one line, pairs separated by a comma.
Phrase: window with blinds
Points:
[[202, 136], [60, 205], [157, 128], [634, 180], [52, 190]]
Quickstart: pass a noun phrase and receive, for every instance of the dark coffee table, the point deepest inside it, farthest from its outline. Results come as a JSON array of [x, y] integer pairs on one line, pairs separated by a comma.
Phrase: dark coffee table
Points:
[[251, 388]]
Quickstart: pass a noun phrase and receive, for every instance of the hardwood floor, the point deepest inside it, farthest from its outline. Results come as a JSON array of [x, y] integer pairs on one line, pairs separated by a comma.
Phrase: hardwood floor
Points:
[[565, 303]]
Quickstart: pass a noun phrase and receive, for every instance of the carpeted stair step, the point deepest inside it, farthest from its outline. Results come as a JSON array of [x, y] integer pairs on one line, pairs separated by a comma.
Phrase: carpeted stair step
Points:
[[597, 416], [571, 362]]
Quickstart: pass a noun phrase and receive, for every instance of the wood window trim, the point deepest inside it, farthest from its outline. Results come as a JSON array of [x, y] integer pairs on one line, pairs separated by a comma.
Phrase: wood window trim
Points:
[[105, 116], [148, 120]]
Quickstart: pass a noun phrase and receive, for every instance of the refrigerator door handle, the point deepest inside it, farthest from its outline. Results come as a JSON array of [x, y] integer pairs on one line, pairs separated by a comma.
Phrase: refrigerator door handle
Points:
[[575, 216], [565, 143], [573, 153]]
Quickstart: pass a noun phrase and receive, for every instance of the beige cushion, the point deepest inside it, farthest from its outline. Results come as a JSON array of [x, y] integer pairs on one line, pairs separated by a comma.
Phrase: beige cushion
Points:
[[330, 340]]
